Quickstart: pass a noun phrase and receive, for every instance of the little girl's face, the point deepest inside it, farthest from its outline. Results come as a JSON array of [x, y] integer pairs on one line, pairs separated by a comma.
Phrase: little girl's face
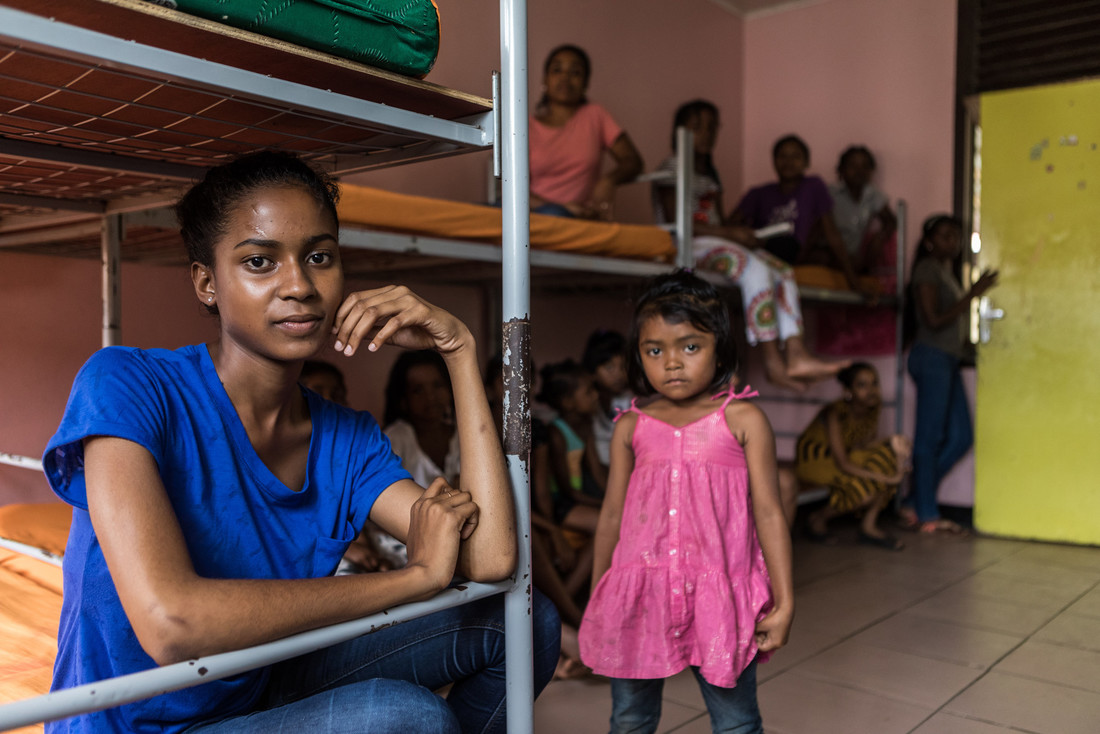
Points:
[[611, 376], [865, 390], [679, 359], [584, 400], [857, 171], [704, 126]]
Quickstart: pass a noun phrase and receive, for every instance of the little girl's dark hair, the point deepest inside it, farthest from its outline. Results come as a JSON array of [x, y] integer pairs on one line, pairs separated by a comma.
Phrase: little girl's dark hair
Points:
[[602, 346], [847, 376], [559, 381], [678, 297]]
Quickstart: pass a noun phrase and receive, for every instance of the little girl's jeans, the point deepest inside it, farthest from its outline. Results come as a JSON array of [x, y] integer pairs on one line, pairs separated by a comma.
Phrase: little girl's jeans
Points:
[[636, 705], [382, 683]]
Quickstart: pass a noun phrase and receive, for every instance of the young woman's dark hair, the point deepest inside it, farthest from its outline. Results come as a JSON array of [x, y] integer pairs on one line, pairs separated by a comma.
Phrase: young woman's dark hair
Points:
[[559, 381], [397, 386], [791, 139], [203, 212], [577, 51], [678, 297], [853, 150], [931, 224], [847, 376], [602, 346], [684, 114]]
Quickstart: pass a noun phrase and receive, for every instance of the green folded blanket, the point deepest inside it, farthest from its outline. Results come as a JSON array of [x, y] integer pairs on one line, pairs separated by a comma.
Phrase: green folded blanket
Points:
[[398, 35]]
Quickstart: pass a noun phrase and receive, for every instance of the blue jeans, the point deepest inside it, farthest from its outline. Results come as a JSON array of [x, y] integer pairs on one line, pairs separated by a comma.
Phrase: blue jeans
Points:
[[943, 433], [636, 704], [382, 683]]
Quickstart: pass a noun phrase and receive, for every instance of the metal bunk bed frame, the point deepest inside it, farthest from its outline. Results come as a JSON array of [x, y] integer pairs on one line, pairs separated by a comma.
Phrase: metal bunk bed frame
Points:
[[404, 136]]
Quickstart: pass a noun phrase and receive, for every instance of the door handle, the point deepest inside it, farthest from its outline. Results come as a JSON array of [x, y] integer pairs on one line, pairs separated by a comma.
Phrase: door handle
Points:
[[986, 316]]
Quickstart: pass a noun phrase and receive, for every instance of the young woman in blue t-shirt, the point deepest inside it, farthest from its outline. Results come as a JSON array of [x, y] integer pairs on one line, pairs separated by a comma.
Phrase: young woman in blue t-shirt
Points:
[[213, 496]]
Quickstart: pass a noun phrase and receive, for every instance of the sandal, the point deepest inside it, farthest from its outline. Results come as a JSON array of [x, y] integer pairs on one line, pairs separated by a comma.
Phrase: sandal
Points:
[[941, 524], [907, 519], [886, 542]]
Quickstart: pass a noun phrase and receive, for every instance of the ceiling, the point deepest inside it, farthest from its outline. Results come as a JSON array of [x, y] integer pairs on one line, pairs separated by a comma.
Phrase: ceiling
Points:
[[748, 8]]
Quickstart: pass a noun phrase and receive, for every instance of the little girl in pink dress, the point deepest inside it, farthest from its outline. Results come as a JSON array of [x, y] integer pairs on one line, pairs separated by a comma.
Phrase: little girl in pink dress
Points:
[[692, 561]]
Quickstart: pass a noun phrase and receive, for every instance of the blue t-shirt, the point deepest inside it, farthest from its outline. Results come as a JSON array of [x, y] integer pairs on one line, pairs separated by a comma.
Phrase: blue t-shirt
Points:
[[238, 519]]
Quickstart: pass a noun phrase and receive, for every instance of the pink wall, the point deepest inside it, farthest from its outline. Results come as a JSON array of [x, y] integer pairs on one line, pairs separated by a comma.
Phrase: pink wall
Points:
[[53, 325], [648, 56]]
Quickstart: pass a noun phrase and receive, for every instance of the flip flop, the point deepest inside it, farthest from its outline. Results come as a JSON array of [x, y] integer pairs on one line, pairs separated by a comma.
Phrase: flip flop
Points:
[[942, 524], [886, 542]]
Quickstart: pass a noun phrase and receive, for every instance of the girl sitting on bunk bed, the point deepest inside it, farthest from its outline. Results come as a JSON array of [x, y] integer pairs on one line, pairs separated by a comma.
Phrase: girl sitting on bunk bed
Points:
[[213, 496], [568, 136], [769, 294], [801, 200]]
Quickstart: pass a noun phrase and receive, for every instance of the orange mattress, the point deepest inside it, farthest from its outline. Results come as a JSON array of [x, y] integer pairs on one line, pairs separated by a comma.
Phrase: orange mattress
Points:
[[30, 600], [384, 210], [372, 208]]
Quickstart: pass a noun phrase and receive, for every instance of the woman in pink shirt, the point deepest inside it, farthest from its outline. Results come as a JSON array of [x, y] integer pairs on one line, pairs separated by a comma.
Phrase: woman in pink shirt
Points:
[[568, 136]]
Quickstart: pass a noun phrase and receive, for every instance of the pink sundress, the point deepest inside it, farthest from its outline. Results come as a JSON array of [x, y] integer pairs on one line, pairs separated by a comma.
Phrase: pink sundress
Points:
[[687, 581]]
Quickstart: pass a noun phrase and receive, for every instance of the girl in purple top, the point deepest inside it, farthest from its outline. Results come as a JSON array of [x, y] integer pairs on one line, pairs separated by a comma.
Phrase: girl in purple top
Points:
[[802, 200], [693, 558]]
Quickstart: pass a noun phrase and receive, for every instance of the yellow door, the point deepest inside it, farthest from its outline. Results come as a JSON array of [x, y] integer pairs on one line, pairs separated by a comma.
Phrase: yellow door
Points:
[[1037, 452]]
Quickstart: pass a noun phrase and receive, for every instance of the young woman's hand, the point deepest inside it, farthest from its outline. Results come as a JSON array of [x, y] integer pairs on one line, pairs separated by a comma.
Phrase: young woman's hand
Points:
[[602, 201], [395, 315], [773, 630], [439, 520], [987, 280]]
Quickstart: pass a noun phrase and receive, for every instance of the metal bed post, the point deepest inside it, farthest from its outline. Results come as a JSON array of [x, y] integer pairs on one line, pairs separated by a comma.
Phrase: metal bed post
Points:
[[899, 324], [112, 287], [511, 109], [685, 174]]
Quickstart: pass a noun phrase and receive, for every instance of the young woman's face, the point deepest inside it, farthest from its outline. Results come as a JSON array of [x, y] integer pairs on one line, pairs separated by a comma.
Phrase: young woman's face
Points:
[[610, 376], [704, 125], [790, 162], [427, 395], [679, 359], [566, 81], [945, 241], [277, 279], [865, 390], [857, 171]]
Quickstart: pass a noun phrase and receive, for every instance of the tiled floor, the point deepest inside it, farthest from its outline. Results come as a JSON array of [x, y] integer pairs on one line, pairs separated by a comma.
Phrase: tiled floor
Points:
[[950, 636]]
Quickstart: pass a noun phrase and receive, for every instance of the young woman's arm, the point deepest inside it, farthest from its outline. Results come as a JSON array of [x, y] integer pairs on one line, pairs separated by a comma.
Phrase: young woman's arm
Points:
[[395, 315], [840, 254], [771, 526], [872, 253], [926, 301], [628, 164], [178, 614], [844, 463], [611, 513], [735, 232]]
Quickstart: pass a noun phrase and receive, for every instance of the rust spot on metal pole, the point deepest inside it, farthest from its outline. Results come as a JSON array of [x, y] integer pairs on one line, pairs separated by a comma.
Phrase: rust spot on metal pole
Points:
[[517, 386]]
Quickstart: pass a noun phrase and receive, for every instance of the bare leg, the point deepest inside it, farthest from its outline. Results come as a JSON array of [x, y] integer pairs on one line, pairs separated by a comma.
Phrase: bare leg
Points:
[[788, 494], [776, 369], [582, 572], [802, 365], [550, 583]]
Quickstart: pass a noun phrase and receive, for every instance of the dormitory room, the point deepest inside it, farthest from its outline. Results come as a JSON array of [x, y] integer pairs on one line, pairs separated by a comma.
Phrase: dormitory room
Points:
[[405, 366]]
